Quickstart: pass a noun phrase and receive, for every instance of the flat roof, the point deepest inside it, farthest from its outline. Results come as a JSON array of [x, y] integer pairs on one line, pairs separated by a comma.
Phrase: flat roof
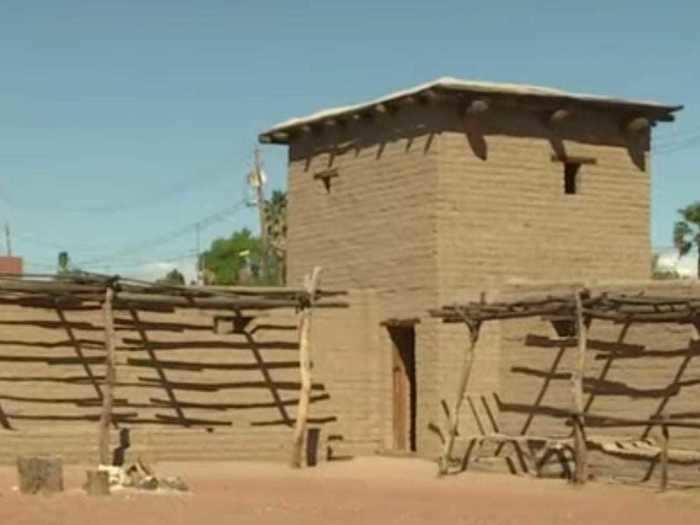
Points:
[[655, 111]]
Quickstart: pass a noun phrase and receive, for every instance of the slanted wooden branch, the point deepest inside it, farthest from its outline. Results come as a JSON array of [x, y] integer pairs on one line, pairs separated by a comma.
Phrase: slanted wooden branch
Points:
[[665, 438], [580, 450], [467, 366], [311, 284], [110, 378]]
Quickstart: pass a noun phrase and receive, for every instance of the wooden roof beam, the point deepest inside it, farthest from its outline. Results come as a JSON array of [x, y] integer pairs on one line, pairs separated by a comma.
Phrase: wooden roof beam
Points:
[[558, 117], [429, 96], [476, 107], [636, 125]]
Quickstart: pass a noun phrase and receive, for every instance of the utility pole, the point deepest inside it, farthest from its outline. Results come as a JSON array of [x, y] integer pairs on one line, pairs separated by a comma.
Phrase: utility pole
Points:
[[257, 181], [8, 239]]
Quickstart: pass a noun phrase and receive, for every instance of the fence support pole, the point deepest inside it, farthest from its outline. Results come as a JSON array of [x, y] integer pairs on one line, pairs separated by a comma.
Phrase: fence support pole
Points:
[[110, 377], [577, 374], [310, 285], [468, 363]]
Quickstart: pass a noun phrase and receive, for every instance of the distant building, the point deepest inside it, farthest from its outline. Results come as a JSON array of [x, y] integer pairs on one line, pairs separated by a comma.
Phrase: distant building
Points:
[[11, 265]]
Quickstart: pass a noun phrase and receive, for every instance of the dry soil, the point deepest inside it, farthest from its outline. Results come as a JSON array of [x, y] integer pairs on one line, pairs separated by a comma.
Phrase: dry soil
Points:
[[363, 490]]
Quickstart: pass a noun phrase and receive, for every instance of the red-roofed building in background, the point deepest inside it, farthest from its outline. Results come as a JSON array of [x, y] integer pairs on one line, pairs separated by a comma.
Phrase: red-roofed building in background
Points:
[[10, 264]]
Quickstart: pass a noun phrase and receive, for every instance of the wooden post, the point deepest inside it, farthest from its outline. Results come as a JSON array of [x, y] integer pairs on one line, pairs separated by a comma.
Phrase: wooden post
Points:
[[580, 450], [310, 285], [664, 454], [97, 483], [110, 376], [467, 365], [40, 474]]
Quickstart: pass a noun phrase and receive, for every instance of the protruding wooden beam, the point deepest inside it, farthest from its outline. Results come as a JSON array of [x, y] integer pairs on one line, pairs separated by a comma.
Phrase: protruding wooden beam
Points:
[[280, 136], [429, 96], [381, 108], [636, 125], [395, 322], [574, 159], [409, 101], [326, 176], [476, 107], [558, 116]]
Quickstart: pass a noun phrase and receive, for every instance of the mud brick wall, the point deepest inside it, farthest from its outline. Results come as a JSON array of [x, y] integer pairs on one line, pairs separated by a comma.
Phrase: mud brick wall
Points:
[[502, 212], [423, 207], [188, 393], [633, 371]]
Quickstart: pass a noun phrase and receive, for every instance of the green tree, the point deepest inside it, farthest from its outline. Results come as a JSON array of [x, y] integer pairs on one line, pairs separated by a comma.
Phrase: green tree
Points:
[[660, 273], [235, 260], [686, 232], [63, 263], [66, 268], [174, 277]]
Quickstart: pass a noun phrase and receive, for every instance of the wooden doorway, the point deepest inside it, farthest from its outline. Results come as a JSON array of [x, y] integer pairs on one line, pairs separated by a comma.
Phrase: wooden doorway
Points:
[[403, 340]]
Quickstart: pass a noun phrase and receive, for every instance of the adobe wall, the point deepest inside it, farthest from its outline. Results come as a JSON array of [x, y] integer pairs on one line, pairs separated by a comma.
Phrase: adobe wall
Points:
[[200, 395], [631, 372], [425, 208], [502, 212], [374, 228]]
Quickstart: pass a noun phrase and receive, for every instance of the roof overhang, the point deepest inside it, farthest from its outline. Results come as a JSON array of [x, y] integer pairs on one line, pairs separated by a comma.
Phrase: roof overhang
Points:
[[533, 97]]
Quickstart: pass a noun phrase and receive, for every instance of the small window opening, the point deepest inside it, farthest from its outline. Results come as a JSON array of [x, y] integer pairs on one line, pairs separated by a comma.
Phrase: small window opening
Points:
[[564, 328], [571, 177]]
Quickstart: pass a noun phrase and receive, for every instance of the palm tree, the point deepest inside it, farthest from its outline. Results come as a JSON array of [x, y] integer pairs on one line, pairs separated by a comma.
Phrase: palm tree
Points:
[[63, 263], [275, 213], [686, 233]]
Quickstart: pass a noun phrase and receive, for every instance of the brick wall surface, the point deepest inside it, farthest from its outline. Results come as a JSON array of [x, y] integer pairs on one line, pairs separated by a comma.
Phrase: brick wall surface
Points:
[[426, 208], [190, 393], [631, 372]]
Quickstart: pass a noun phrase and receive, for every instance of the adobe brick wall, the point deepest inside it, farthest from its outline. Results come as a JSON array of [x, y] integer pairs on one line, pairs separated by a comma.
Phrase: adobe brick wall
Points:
[[508, 217], [628, 374], [374, 229], [425, 210], [251, 381]]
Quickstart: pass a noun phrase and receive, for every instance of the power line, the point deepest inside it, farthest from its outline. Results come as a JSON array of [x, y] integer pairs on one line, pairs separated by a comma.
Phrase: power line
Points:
[[675, 136], [147, 261], [168, 237], [31, 238], [678, 146], [187, 185]]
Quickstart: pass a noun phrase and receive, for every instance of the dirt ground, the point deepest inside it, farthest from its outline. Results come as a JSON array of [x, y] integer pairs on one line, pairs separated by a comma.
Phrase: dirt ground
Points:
[[363, 490]]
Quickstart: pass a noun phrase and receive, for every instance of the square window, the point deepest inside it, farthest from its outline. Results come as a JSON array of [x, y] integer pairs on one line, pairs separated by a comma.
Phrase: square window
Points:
[[564, 328]]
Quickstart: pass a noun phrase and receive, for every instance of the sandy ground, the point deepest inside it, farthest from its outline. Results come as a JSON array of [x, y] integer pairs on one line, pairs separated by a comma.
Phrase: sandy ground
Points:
[[364, 490]]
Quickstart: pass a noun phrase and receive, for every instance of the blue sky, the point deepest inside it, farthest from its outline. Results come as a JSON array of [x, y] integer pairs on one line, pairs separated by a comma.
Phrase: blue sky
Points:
[[124, 123]]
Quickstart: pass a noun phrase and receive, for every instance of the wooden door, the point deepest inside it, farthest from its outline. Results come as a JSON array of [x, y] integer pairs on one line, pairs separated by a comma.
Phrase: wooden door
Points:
[[404, 395]]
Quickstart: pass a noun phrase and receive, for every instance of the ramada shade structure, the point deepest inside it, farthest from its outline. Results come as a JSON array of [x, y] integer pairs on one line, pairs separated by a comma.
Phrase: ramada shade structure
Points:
[[579, 307], [86, 292]]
